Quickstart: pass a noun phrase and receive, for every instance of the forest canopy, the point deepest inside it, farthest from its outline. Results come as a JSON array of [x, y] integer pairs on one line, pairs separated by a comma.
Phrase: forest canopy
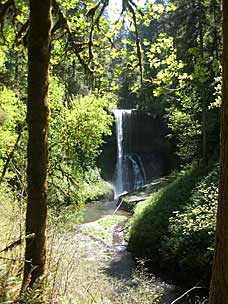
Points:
[[64, 66]]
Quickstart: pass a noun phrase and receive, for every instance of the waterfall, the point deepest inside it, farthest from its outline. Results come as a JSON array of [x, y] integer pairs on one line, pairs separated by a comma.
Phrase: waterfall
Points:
[[129, 171], [120, 116], [137, 177]]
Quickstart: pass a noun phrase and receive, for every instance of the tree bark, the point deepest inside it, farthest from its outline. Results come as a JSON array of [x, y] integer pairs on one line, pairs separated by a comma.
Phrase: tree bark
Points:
[[219, 281], [37, 119]]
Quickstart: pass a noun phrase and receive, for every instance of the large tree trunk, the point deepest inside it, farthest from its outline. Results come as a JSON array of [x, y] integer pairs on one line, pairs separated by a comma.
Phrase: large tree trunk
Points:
[[37, 119], [219, 282]]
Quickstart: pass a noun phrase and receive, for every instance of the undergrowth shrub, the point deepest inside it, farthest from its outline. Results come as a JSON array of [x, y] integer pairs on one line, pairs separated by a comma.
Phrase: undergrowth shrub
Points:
[[190, 240], [76, 132], [77, 269], [175, 227], [11, 252], [94, 187]]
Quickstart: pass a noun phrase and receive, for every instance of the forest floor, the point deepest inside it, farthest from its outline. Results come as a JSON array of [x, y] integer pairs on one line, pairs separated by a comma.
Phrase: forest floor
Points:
[[90, 264]]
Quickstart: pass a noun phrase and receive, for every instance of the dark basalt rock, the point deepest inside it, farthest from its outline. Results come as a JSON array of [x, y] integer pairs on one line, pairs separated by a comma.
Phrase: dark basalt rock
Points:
[[129, 200], [146, 137]]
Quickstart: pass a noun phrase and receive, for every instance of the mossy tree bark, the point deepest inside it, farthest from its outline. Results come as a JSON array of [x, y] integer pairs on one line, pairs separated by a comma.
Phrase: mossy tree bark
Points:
[[37, 119], [219, 281]]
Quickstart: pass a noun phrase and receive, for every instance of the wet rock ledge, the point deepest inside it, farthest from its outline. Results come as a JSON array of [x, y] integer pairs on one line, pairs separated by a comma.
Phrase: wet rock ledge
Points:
[[128, 201]]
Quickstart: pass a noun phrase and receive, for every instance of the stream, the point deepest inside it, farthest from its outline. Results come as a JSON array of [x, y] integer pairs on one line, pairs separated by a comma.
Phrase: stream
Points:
[[121, 266], [96, 210]]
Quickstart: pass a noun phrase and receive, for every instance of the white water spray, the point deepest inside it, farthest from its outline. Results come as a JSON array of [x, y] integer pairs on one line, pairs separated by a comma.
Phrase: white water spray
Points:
[[129, 171]]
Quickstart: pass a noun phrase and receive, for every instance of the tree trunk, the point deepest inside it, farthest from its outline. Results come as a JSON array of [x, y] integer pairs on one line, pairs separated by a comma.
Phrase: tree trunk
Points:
[[37, 119], [219, 281]]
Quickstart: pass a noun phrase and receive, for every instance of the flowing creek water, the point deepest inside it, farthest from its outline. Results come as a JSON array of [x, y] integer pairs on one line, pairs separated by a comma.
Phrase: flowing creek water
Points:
[[122, 266], [129, 175], [96, 210]]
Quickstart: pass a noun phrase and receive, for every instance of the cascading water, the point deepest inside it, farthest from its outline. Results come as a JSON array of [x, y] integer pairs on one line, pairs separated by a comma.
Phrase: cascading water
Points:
[[137, 171], [119, 175], [129, 171]]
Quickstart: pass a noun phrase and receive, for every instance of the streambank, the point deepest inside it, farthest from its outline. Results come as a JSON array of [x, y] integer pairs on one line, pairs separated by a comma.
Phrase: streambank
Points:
[[109, 249], [128, 201], [110, 230], [90, 264], [173, 227]]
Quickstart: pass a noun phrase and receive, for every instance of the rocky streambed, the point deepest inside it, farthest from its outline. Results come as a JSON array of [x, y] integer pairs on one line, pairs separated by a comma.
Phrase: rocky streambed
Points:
[[91, 264], [119, 265]]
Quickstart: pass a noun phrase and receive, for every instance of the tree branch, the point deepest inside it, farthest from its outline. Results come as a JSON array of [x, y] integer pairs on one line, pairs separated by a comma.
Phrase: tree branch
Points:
[[10, 156], [63, 23], [128, 5], [186, 293]]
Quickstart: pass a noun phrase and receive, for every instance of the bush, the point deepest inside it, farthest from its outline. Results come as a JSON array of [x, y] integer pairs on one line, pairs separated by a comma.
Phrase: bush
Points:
[[190, 240], [94, 188], [76, 132], [12, 122], [11, 230], [175, 227]]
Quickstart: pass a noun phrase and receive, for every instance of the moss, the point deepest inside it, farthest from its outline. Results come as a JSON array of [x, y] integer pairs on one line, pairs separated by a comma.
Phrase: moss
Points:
[[98, 191], [110, 220], [103, 228], [130, 200], [150, 227]]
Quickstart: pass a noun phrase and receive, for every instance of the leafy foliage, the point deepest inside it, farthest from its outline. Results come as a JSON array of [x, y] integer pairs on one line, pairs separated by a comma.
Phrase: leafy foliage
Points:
[[191, 232], [175, 227], [13, 111], [181, 71], [77, 127], [176, 48]]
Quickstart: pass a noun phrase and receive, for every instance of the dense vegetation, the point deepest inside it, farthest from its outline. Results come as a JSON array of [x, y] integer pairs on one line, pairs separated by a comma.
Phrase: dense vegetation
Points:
[[179, 78], [175, 228], [182, 72], [163, 57]]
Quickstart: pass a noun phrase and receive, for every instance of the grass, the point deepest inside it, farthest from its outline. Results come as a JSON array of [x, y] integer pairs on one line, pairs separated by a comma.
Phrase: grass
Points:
[[103, 228], [78, 256], [155, 231], [11, 229], [76, 262], [76, 269]]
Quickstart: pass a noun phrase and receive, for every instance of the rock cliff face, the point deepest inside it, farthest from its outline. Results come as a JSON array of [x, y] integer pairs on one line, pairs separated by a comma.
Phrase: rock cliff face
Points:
[[144, 140]]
